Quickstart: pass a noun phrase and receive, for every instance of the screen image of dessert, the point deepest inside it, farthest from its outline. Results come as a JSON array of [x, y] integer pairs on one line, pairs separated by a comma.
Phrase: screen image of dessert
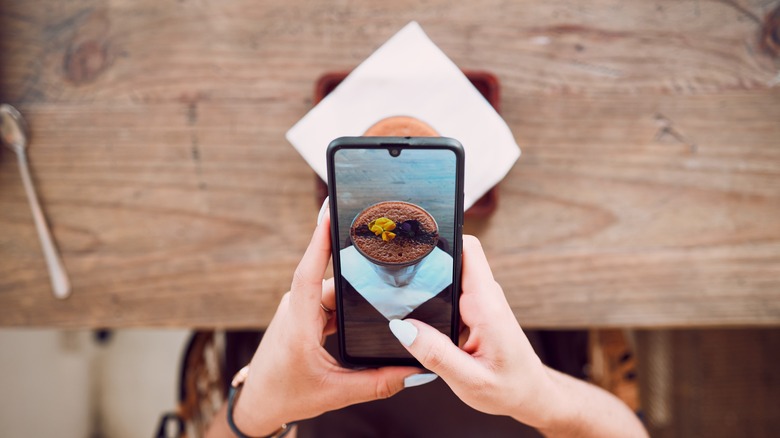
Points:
[[396, 226]]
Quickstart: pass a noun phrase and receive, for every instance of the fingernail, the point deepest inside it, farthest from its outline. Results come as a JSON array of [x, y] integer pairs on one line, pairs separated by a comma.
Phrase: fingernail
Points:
[[404, 331], [322, 210], [419, 379]]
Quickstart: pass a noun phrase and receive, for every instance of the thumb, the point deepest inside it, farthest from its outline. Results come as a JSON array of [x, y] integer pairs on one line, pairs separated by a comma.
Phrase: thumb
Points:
[[374, 384], [434, 350]]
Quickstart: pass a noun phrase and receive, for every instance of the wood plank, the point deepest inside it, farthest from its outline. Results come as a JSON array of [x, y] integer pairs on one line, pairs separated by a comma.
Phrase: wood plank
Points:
[[621, 213], [158, 227], [648, 193], [101, 50]]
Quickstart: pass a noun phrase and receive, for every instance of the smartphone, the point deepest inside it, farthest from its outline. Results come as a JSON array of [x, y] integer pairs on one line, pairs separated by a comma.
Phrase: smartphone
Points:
[[396, 206]]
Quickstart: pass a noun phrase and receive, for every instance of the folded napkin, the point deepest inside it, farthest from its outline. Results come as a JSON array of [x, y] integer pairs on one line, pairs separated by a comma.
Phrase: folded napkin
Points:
[[434, 274], [410, 76]]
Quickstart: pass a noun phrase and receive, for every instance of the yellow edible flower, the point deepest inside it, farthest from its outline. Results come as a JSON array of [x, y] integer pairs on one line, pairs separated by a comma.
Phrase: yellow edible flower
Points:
[[383, 226]]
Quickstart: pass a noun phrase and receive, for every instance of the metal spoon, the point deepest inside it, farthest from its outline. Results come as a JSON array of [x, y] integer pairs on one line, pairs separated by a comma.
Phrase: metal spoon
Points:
[[14, 135]]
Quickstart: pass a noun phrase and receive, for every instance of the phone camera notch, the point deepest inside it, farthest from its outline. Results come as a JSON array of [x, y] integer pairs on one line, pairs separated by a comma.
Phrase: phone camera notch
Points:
[[394, 152]]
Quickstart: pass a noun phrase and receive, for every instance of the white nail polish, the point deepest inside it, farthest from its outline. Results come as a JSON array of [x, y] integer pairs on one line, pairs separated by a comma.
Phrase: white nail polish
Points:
[[404, 331], [322, 209], [419, 379]]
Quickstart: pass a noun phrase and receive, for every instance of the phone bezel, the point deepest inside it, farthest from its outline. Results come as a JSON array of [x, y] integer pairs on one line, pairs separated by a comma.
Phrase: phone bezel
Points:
[[441, 143]]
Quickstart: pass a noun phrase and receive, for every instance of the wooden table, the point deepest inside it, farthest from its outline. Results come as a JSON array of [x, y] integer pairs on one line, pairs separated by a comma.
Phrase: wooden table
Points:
[[648, 194]]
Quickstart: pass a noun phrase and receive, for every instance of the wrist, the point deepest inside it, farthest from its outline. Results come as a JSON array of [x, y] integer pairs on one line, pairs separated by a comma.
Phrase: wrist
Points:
[[252, 414], [556, 413], [547, 406]]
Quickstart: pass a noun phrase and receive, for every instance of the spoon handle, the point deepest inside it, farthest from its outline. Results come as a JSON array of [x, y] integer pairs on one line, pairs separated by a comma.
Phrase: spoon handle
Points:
[[59, 279]]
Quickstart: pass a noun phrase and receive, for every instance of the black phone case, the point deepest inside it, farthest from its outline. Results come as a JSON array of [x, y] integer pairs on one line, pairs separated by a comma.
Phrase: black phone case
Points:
[[386, 143]]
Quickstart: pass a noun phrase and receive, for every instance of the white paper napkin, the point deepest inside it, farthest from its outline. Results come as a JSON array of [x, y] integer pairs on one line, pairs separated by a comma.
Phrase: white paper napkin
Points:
[[434, 274], [409, 75]]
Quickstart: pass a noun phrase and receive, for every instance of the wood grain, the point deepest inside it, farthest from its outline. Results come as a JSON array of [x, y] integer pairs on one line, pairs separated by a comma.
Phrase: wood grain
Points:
[[648, 193]]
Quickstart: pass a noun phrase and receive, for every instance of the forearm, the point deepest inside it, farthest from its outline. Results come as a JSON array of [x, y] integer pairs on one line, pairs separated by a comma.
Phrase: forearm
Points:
[[579, 409], [219, 427]]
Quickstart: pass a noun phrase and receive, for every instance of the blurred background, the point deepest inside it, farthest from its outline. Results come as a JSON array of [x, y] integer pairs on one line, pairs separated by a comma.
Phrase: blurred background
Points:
[[79, 383]]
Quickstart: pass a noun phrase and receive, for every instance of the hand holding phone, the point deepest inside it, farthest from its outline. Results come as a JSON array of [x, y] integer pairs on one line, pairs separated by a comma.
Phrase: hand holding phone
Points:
[[397, 209], [291, 376]]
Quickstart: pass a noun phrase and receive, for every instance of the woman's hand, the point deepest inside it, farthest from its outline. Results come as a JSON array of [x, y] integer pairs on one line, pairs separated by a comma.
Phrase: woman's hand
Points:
[[291, 376], [495, 370]]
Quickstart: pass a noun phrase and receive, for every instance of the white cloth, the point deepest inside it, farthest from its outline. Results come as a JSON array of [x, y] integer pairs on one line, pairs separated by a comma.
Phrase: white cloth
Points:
[[434, 274], [410, 76]]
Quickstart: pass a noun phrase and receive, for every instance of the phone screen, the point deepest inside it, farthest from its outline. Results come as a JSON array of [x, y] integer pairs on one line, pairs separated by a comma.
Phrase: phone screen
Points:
[[397, 225]]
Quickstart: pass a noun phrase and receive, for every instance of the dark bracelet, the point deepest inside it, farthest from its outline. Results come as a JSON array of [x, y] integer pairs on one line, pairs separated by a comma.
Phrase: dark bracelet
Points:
[[235, 388]]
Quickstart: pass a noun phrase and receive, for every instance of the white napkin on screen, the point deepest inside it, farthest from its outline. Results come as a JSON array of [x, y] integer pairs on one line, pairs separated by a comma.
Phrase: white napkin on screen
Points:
[[410, 76], [434, 274]]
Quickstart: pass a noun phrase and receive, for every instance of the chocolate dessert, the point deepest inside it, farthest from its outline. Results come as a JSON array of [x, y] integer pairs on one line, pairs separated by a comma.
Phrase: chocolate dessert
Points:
[[401, 126], [394, 233]]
